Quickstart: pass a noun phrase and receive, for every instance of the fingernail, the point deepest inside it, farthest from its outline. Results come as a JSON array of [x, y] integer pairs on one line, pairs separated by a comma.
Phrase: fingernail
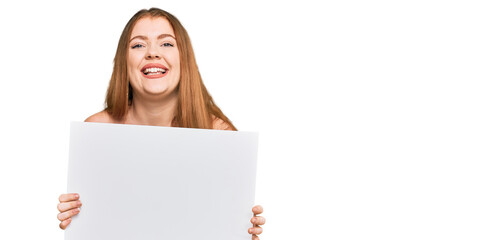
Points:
[[76, 196]]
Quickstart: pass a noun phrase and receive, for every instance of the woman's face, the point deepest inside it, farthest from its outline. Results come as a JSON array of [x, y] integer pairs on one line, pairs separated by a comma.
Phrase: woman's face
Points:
[[153, 61]]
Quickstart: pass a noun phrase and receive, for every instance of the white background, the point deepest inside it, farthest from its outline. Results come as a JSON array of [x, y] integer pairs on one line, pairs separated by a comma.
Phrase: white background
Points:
[[377, 119]]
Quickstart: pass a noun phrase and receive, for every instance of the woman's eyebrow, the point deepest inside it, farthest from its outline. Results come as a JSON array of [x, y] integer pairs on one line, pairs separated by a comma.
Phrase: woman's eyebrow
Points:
[[140, 37], [158, 37], [166, 35]]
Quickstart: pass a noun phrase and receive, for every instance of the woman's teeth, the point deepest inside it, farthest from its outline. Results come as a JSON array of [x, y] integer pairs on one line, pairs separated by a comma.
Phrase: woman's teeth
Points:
[[154, 71]]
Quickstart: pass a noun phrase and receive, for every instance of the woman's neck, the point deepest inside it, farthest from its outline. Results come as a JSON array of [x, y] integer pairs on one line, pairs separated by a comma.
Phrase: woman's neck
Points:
[[152, 112]]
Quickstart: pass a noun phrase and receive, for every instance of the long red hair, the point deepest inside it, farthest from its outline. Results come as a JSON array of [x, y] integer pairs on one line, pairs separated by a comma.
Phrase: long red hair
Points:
[[196, 108]]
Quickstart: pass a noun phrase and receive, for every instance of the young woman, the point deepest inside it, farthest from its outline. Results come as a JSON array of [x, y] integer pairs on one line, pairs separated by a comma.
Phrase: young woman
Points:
[[155, 81]]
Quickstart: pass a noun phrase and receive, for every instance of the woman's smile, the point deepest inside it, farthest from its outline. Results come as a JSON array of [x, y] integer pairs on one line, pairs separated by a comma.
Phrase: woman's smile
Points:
[[154, 70]]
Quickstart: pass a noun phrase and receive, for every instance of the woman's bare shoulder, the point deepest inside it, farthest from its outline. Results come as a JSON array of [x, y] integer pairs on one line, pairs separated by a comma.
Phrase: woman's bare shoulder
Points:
[[219, 124], [101, 117]]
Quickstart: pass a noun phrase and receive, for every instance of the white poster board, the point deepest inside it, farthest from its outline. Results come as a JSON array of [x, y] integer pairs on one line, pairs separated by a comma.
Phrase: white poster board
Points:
[[145, 182]]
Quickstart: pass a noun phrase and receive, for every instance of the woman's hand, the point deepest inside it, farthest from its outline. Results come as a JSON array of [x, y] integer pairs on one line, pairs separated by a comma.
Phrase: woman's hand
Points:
[[68, 206], [256, 220]]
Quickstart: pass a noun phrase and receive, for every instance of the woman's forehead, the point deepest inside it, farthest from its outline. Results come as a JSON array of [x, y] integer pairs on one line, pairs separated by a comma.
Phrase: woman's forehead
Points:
[[152, 27]]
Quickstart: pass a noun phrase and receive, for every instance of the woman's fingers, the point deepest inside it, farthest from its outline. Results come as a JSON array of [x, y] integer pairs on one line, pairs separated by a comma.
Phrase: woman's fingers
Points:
[[68, 197], [65, 223], [257, 209], [68, 206], [255, 230], [65, 215], [258, 220], [65, 206]]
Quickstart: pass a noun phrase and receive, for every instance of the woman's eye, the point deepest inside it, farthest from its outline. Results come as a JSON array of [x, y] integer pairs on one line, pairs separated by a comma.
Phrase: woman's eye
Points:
[[167, 45], [137, 46]]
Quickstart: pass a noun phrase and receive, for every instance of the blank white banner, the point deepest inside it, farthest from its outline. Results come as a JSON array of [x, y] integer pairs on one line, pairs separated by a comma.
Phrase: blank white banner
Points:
[[145, 182]]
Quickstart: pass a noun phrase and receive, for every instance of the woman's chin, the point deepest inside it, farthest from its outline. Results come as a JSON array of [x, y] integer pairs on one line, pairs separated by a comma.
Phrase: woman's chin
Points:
[[158, 86], [157, 91]]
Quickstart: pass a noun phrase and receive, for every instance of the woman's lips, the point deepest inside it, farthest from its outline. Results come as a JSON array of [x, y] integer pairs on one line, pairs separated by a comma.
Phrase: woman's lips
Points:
[[155, 75], [154, 70]]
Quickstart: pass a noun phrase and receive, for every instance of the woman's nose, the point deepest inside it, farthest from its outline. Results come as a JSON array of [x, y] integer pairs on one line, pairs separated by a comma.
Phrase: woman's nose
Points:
[[152, 53]]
